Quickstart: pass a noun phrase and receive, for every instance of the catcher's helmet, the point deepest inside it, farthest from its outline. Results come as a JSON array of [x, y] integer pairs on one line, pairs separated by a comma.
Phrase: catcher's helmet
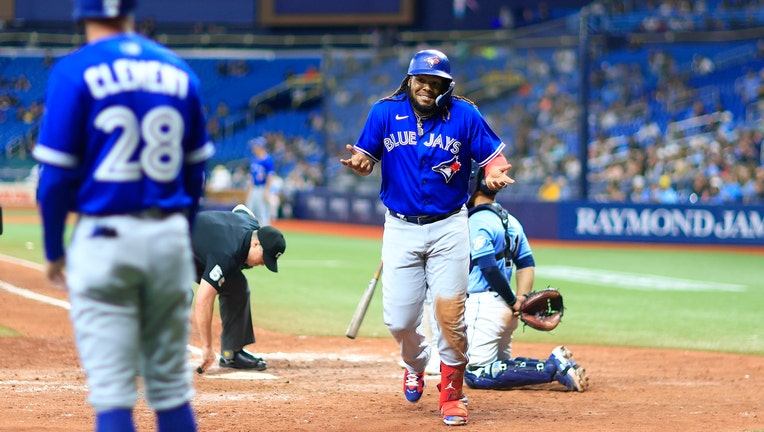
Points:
[[478, 184], [101, 9], [430, 62]]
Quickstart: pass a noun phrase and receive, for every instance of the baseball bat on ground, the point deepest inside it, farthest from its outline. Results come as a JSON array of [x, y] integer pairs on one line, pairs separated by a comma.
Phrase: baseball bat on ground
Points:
[[363, 305]]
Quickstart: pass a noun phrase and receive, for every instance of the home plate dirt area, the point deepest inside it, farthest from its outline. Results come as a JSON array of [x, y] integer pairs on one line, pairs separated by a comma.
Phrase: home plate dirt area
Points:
[[339, 384]]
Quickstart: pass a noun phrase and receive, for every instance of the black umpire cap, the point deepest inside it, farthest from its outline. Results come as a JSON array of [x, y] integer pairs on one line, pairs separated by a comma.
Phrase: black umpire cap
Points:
[[273, 244]]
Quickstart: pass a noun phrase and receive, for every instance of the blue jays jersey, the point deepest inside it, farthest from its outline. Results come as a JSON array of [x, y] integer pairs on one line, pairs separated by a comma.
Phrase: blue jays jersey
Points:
[[426, 173], [123, 131], [487, 238], [260, 169]]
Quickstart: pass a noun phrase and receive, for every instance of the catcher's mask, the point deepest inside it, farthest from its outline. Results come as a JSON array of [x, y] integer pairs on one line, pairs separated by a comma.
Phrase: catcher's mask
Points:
[[102, 9], [433, 62], [478, 184]]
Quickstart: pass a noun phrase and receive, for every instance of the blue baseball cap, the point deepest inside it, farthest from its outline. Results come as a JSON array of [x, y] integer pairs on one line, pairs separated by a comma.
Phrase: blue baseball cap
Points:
[[257, 142], [102, 9], [430, 62]]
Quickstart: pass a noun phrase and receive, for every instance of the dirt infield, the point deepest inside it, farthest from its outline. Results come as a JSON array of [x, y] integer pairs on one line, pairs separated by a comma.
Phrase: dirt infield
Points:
[[338, 384]]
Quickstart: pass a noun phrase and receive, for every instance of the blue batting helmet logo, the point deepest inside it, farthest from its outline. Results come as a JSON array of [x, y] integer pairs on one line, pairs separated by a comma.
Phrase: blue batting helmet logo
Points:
[[432, 61]]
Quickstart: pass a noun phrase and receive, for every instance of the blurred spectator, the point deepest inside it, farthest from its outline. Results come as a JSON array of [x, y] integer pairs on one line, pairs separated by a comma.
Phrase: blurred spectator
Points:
[[240, 177], [702, 65], [612, 193], [714, 192], [214, 128], [48, 60], [505, 19], [665, 193], [699, 190], [147, 28], [222, 110], [731, 191], [275, 198], [22, 83], [550, 190], [220, 179], [748, 85], [639, 194], [747, 184], [758, 197]]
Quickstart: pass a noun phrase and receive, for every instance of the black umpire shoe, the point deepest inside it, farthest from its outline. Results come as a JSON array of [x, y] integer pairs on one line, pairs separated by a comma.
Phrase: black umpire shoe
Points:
[[244, 360]]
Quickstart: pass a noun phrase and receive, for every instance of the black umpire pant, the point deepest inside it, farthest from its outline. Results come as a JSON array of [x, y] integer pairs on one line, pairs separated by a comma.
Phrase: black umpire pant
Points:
[[236, 315]]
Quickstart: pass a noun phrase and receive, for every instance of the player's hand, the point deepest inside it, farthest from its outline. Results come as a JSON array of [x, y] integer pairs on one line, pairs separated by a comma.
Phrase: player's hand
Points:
[[518, 304], [358, 161], [497, 179], [55, 273], [208, 358]]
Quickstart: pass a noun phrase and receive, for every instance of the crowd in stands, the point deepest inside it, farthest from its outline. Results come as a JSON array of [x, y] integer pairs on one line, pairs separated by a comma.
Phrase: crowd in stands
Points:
[[17, 109], [664, 143]]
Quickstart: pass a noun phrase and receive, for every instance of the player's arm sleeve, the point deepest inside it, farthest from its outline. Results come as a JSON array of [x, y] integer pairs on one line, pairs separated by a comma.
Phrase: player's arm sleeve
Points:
[[216, 270], [496, 278], [56, 189], [372, 136], [59, 143], [487, 146], [522, 250], [496, 161]]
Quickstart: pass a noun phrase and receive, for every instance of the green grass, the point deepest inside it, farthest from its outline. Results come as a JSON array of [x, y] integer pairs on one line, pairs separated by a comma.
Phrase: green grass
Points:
[[321, 279], [8, 332]]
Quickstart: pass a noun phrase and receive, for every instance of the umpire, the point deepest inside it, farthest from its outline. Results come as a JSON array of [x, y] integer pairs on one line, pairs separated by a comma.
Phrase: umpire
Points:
[[224, 243]]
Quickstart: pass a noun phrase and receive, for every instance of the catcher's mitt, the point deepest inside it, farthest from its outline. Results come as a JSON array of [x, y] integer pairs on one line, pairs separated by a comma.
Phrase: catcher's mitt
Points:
[[542, 310]]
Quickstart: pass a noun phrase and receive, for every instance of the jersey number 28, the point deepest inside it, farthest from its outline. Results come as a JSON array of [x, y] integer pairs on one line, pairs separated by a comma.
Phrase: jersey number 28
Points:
[[161, 129]]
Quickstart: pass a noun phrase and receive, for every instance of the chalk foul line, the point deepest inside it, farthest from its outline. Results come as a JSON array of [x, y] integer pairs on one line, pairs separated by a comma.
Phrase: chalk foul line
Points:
[[632, 280]]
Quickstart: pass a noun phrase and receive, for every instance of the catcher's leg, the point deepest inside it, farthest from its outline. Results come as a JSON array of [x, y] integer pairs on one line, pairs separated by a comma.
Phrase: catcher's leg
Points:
[[506, 374], [569, 373]]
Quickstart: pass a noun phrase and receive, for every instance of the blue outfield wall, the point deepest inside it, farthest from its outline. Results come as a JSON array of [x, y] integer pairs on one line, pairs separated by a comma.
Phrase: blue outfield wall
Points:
[[576, 220]]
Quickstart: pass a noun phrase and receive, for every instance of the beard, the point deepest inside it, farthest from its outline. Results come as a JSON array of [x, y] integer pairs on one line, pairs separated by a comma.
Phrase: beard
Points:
[[425, 110]]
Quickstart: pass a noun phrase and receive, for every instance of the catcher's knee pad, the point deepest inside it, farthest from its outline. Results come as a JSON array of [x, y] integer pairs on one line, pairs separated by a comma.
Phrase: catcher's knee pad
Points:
[[505, 374]]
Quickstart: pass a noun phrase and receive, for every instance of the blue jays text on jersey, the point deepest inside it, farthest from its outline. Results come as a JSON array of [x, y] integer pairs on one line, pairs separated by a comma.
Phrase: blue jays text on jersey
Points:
[[104, 151], [410, 138], [426, 173]]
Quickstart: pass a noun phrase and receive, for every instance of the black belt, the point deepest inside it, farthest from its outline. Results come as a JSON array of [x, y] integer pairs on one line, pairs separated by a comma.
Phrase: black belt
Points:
[[154, 213], [423, 220]]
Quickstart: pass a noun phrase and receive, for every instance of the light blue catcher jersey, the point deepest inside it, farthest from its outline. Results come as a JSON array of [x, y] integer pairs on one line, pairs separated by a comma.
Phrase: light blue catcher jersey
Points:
[[487, 238], [124, 114], [428, 174]]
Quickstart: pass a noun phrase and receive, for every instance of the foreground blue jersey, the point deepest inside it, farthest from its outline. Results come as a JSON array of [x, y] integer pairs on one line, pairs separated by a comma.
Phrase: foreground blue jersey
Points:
[[427, 173], [123, 131]]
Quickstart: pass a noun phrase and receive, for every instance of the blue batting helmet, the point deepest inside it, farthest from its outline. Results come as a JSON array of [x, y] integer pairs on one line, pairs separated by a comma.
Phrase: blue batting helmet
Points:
[[100, 9], [430, 62]]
